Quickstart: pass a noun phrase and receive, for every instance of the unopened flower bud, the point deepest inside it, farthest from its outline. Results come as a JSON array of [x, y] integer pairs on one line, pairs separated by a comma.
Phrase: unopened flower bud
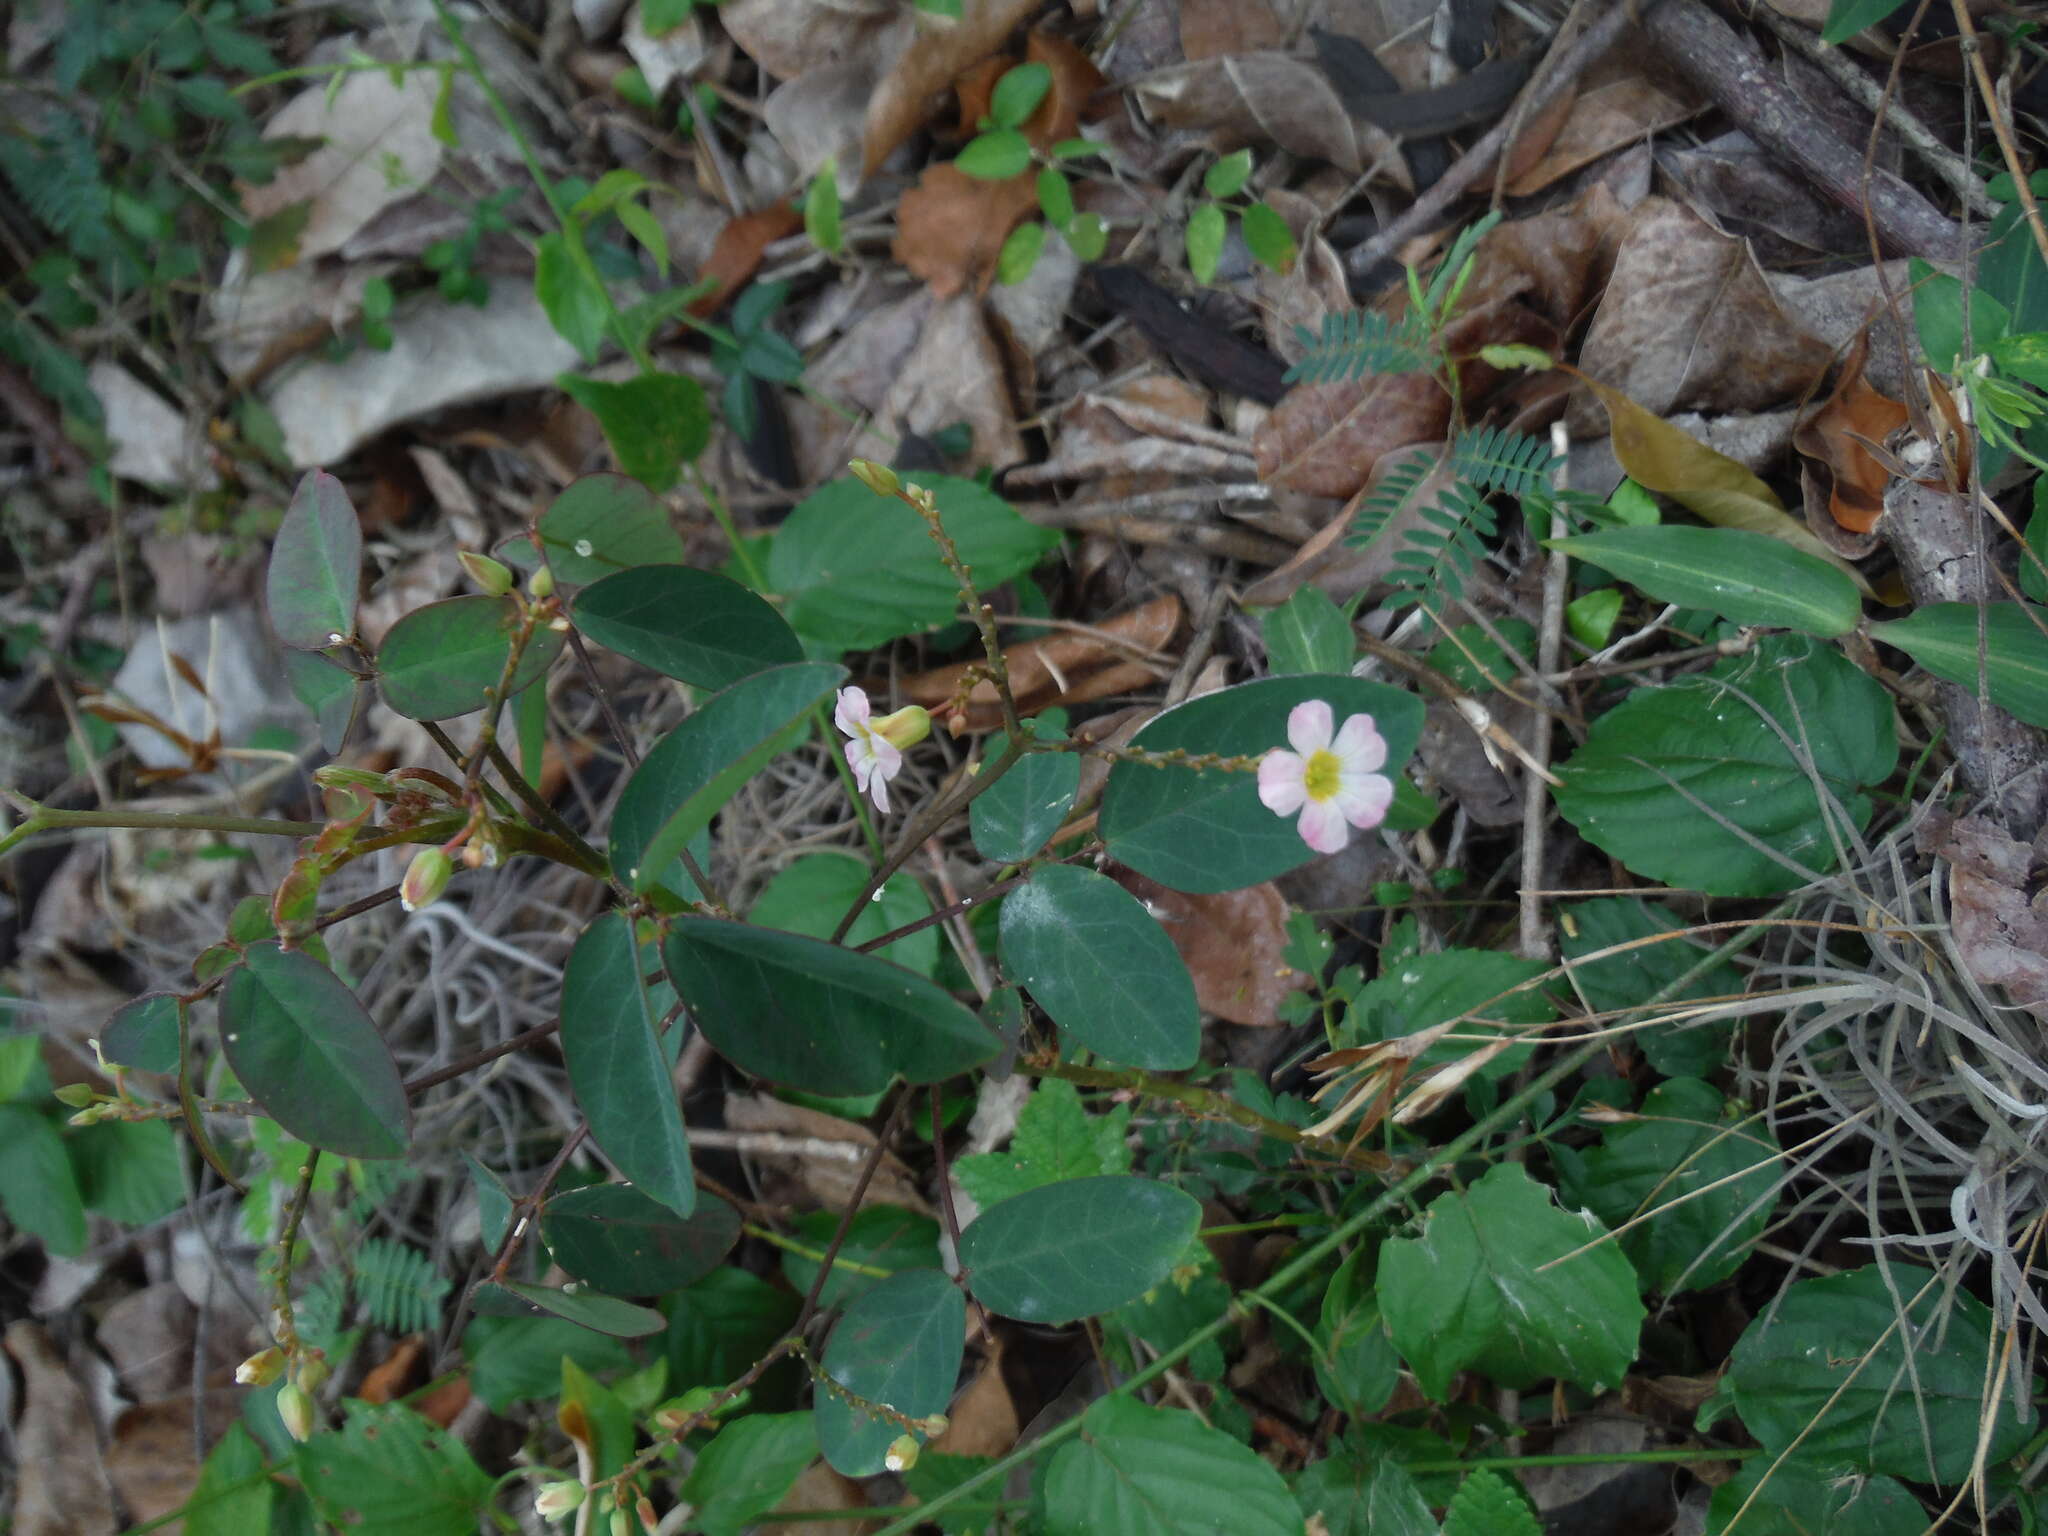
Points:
[[879, 478], [335, 776], [261, 1368], [490, 575], [541, 583], [314, 1370], [649, 1521], [556, 1500], [425, 878], [76, 1095], [902, 1454], [295, 1409], [935, 1425], [622, 1523], [906, 728], [92, 1114]]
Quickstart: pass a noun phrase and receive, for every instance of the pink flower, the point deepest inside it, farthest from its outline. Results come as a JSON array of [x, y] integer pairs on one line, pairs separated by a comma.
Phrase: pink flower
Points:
[[874, 748], [1331, 782]]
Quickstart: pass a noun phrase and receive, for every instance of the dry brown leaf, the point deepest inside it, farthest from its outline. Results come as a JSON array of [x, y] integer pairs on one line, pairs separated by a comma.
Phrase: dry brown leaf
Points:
[[1268, 98], [819, 1487], [60, 1489], [737, 253], [1312, 288], [394, 1375], [982, 1418], [1553, 262], [788, 38], [1689, 322], [2001, 934], [955, 373], [950, 228], [1338, 569], [1854, 481], [930, 53], [816, 117], [151, 1462], [149, 1336], [1065, 668], [1234, 945], [1211, 29], [829, 1179], [1615, 106]]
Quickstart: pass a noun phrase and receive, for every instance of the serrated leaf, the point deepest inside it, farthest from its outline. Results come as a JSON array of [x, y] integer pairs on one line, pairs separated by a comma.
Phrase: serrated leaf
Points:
[[1744, 577], [1077, 1248], [38, 1190], [1943, 638], [570, 295], [1102, 968], [604, 523], [1645, 970], [1056, 1139], [390, 1472], [1364, 1495], [1472, 1290], [444, 659], [310, 1055], [655, 422], [232, 1498], [1799, 1498], [316, 566], [692, 625], [1142, 1471], [1486, 1504], [1421, 990], [898, 1345]]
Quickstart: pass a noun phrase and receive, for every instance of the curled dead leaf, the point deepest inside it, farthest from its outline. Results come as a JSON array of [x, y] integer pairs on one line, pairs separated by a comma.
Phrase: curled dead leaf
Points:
[[1615, 105], [737, 253], [1258, 99], [1834, 435], [930, 52], [950, 227]]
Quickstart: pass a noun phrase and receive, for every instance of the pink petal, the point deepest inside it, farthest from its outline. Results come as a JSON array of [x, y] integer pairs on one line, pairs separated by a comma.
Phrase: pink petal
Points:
[[878, 791], [1362, 799], [1308, 726], [1322, 826], [1359, 745], [1280, 782], [852, 712], [888, 756]]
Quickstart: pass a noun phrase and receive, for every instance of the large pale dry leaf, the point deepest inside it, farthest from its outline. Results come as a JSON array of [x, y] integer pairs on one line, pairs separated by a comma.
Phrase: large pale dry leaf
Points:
[[1689, 322], [956, 374], [1120, 655], [255, 322], [1261, 99], [1234, 945], [1334, 566], [857, 370], [151, 443], [1214, 29], [60, 1489], [930, 51], [1615, 105], [380, 148], [802, 1142], [1136, 439], [1554, 262], [149, 1335], [816, 116], [2002, 935], [673, 55], [1833, 436], [789, 37]]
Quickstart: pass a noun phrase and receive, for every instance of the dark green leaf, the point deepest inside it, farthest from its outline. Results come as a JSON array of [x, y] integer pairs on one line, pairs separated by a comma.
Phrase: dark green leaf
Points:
[[606, 523], [1630, 977], [1798, 1498], [899, 1346], [747, 1470], [37, 1189], [1018, 94], [622, 1240], [698, 766], [1102, 967], [330, 692], [1833, 1368], [316, 566], [493, 1202], [1363, 1495], [1421, 990], [800, 1011], [1355, 1362], [2034, 558], [1011, 821], [884, 1237], [1071, 1250], [1938, 315], [1943, 638], [995, 156], [655, 422], [972, 1514], [1206, 229], [1848, 17], [723, 1324], [1308, 633], [1471, 658], [390, 1472], [143, 1034], [617, 1066], [815, 892], [570, 294], [309, 1054], [1745, 577], [1142, 1471], [1473, 1290], [586, 1309], [513, 1358], [861, 569], [442, 660], [1658, 770], [1206, 831]]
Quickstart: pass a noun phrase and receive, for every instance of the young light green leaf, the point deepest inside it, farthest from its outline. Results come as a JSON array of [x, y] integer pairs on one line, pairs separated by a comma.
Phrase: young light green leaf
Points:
[[748, 1469], [1142, 1471], [1268, 238], [810, 1014], [1473, 1290], [586, 1309], [644, 227], [812, 894], [1206, 228], [695, 626], [1846, 18], [1943, 638], [1020, 252], [821, 208], [143, 1034], [899, 1345], [655, 423], [38, 1191], [698, 766], [1055, 198], [1591, 618], [1026, 806], [617, 1066], [1308, 633], [1073, 1249], [1102, 968], [1055, 1140], [1205, 830], [316, 566], [1088, 236], [1487, 1504], [1018, 94], [570, 295], [1742, 576], [1660, 772], [996, 155], [310, 1055], [389, 1470], [622, 1240], [1227, 176], [444, 659]]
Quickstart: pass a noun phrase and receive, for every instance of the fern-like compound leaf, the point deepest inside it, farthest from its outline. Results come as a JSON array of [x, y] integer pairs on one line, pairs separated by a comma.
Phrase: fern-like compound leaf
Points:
[[1355, 342]]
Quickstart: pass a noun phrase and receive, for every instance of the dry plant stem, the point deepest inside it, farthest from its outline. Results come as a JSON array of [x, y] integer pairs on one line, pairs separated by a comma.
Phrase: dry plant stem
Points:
[[1951, 167], [860, 1191], [1973, 45], [295, 1213], [1731, 70], [945, 1175], [40, 818], [475, 1059], [1534, 942], [1428, 209]]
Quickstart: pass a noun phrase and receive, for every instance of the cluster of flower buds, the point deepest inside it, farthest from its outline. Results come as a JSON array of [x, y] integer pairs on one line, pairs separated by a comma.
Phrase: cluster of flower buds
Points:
[[295, 1397]]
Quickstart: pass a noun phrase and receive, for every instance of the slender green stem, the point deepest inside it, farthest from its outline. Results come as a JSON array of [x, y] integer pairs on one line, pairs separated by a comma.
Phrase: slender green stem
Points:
[[775, 1239], [1203, 1101], [1675, 1453], [49, 819]]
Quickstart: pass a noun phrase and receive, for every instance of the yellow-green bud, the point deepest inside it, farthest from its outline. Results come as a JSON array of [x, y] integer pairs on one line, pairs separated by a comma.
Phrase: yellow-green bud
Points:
[[313, 1370], [902, 1454], [541, 583], [904, 729], [622, 1523], [649, 1521], [558, 1500], [935, 1425], [76, 1095], [261, 1368], [425, 878], [492, 576], [93, 1114], [335, 776], [879, 478], [295, 1409]]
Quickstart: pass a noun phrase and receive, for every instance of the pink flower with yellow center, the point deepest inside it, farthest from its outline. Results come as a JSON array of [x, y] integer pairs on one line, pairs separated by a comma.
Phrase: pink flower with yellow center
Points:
[[874, 748], [1329, 777]]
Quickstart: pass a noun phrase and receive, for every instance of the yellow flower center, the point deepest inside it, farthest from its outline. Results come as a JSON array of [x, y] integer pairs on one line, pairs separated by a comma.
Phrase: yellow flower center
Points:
[[1323, 775]]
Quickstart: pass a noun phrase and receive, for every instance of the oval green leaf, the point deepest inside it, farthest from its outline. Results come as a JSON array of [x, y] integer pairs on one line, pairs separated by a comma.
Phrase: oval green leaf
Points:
[[444, 659], [692, 625], [620, 1239], [996, 155], [1744, 577], [1206, 831], [1071, 1250], [815, 892], [1661, 773], [655, 423], [1013, 818], [1942, 637], [332, 694], [698, 766], [800, 1011], [1018, 94], [1268, 238], [1102, 968], [316, 566], [586, 1309], [143, 1034], [1142, 1471], [898, 1345], [617, 1066], [606, 523], [1207, 226], [308, 1053]]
